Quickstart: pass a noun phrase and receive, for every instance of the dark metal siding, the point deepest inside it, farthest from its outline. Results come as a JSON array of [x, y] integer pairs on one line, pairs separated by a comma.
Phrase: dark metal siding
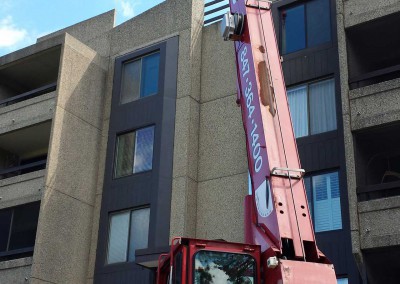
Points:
[[322, 152], [152, 188]]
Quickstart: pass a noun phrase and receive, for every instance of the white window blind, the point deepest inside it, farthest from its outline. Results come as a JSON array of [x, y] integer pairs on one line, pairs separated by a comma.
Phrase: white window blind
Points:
[[313, 108], [128, 231], [299, 110], [322, 106], [326, 202], [118, 238]]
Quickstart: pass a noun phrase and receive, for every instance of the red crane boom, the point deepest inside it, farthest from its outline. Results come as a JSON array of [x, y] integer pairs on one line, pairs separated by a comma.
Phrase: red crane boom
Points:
[[281, 246]]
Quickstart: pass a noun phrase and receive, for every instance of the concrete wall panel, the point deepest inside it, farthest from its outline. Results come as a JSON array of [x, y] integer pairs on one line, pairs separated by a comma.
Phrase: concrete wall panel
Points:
[[375, 105], [360, 11], [222, 146], [220, 208], [218, 69], [15, 271], [62, 239], [65, 225], [376, 223], [27, 112], [21, 189], [183, 211]]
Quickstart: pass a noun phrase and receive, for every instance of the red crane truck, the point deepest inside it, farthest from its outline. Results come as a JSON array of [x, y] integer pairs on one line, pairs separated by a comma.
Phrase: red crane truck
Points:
[[280, 242]]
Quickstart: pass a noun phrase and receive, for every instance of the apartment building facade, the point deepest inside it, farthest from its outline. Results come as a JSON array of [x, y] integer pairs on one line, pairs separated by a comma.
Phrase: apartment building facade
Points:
[[114, 139], [369, 58]]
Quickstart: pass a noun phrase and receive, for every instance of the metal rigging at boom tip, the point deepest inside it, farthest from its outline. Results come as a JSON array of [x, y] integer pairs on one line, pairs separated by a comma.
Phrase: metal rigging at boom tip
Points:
[[280, 242]]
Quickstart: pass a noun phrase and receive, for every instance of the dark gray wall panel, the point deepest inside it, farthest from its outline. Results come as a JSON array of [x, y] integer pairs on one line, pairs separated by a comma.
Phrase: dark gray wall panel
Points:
[[152, 188]]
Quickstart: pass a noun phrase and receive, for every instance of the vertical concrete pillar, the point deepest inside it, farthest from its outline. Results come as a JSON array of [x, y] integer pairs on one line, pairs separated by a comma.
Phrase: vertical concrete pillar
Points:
[[66, 215], [185, 165]]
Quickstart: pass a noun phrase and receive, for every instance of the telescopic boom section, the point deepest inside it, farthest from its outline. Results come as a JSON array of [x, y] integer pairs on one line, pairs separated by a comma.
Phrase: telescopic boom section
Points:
[[277, 214]]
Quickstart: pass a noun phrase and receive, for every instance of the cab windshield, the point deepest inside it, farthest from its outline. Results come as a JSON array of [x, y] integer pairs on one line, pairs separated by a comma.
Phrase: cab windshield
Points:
[[222, 267]]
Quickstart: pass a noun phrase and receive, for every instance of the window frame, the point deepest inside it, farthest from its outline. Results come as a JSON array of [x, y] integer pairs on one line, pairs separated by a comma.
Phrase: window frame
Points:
[[21, 252], [307, 84], [115, 154], [307, 47], [222, 252], [130, 57], [131, 60], [311, 206], [130, 210]]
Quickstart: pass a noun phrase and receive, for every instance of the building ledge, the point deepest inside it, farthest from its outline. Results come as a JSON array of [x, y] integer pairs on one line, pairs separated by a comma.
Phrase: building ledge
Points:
[[379, 204], [21, 189], [15, 263], [375, 89], [28, 112]]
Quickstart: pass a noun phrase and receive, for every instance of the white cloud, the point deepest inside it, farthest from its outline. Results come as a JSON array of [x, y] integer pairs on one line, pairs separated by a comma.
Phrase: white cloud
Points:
[[10, 35], [127, 9]]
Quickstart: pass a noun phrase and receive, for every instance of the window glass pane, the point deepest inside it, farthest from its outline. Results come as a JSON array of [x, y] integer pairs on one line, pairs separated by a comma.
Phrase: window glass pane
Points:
[[144, 150], [130, 84], [118, 238], [297, 98], [139, 231], [23, 232], [343, 281], [150, 70], [293, 29], [124, 154], [223, 267], [322, 106], [5, 222], [327, 210], [318, 22]]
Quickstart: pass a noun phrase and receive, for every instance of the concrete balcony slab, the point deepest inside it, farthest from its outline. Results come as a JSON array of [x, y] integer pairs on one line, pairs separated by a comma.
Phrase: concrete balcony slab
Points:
[[21, 189], [26, 113]]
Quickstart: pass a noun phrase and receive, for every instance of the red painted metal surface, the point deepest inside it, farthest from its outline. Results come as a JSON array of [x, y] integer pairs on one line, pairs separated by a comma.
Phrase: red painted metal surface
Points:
[[281, 208], [299, 272], [277, 210]]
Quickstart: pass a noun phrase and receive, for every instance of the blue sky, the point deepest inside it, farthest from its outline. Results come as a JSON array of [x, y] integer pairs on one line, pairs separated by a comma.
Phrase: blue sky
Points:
[[22, 21]]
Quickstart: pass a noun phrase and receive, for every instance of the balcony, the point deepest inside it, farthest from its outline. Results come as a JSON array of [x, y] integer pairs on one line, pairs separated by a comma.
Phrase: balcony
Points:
[[24, 151], [378, 162], [374, 51], [29, 77], [28, 95]]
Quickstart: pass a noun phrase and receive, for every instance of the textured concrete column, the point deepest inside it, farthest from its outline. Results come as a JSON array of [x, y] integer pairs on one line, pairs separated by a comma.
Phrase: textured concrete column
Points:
[[185, 165], [66, 214], [222, 170], [348, 139]]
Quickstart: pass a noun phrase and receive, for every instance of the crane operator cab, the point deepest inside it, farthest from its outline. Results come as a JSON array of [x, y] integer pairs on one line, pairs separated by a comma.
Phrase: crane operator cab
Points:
[[195, 261]]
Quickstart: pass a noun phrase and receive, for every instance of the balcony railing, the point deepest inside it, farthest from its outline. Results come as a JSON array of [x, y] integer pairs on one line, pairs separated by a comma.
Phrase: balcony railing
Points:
[[17, 253], [28, 95], [375, 77], [377, 191], [23, 169]]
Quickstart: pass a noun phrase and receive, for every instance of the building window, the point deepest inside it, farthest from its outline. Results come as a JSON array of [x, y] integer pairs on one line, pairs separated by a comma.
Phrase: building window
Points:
[[18, 229], [305, 25], [323, 194], [343, 281], [140, 78], [128, 231], [313, 107], [134, 153]]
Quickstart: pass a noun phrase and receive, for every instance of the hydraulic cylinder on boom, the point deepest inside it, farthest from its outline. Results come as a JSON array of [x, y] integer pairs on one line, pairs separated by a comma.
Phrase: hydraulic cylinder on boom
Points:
[[280, 242]]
